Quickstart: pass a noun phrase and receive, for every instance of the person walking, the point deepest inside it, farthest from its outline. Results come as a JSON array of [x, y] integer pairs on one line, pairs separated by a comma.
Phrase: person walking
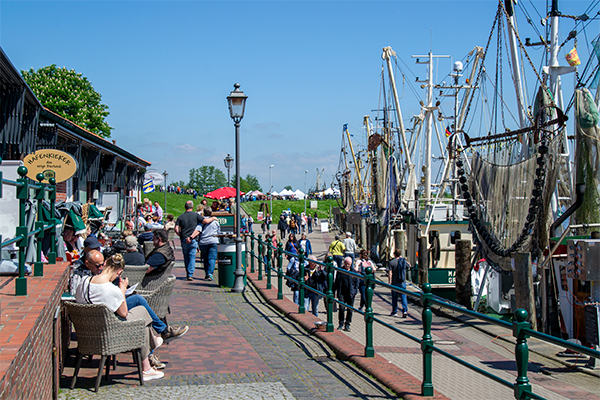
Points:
[[282, 226], [208, 245], [397, 277], [184, 227], [336, 248], [361, 265], [350, 246], [316, 278], [305, 245], [345, 288]]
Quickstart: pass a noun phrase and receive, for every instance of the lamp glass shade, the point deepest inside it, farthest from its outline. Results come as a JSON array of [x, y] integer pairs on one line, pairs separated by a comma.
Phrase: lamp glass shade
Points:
[[228, 161], [237, 103]]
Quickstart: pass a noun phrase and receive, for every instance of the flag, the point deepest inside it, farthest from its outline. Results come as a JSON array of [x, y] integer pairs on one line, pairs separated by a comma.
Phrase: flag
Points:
[[148, 187], [448, 133], [573, 58]]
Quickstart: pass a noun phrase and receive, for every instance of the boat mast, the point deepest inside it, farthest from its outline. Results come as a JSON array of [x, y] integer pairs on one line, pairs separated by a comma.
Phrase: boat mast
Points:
[[516, 70], [429, 109], [409, 192], [554, 71]]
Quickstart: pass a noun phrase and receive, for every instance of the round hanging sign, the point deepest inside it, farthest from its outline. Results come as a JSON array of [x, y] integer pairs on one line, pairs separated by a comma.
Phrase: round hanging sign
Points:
[[51, 163]]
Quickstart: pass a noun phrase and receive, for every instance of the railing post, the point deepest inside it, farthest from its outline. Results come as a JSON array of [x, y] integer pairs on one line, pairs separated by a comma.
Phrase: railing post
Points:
[[427, 341], [40, 192], [53, 220], [329, 298], [280, 271], [522, 388], [252, 255], [23, 196], [260, 258], [268, 267], [370, 283], [301, 283]]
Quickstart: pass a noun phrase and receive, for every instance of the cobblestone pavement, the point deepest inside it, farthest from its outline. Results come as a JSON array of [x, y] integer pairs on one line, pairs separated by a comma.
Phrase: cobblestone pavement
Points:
[[238, 347], [488, 347]]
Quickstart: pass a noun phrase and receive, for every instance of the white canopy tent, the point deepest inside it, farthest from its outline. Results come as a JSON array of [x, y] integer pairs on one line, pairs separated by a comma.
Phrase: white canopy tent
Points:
[[286, 192], [299, 194]]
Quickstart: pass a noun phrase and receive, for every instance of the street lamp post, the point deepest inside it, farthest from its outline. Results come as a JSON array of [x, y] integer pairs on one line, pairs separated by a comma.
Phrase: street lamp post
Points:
[[228, 161], [237, 103], [305, 194], [270, 193], [165, 174]]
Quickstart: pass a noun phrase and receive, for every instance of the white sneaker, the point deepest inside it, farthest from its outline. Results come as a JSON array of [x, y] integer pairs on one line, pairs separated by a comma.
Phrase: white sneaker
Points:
[[152, 373]]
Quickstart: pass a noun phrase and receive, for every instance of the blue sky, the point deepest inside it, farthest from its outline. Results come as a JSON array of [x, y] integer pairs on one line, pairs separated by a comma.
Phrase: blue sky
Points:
[[165, 68]]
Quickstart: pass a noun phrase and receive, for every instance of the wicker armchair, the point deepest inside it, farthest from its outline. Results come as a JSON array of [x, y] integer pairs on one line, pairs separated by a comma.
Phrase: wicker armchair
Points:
[[160, 298], [148, 247], [171, 237], [153, 281], [99, 331], [135, 273]]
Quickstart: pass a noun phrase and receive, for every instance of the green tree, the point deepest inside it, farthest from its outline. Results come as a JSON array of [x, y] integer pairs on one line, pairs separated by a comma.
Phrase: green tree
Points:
[[181, 184], [70, 95], [208, 177], [288, 187], [247, 184]]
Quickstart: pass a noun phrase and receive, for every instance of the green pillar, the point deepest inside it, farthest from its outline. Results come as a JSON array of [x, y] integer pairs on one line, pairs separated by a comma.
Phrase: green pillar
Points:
[[280, 271], [329, 298], [427, 341], [40, 193], [370, 286], [301, 283], [522, 388], [252, 254], [268, 267], [21, 231]]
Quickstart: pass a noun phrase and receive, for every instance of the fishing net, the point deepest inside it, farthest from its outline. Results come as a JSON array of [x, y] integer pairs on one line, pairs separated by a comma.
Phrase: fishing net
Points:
[[509, 201]]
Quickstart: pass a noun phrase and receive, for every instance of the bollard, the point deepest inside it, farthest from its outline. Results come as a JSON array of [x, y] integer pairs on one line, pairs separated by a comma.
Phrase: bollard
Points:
[[21, 231], [268, 267], [260, 257], [522, 388], [252, 255], [427, 341], [301, 283], [370, 286], [53, 221], [279, 271], [329, 298]]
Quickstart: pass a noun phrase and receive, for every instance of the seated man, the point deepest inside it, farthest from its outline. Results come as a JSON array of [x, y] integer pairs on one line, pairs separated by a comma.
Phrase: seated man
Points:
[[146, 235], [162, 255], [133, 256], [90, 265]]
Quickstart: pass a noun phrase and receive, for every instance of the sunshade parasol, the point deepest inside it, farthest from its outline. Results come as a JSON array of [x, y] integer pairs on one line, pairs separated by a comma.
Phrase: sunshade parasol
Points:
[[222, 193]]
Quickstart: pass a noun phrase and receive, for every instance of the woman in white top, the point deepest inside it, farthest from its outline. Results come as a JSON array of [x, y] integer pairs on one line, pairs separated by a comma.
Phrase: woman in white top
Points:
[[99, 289]]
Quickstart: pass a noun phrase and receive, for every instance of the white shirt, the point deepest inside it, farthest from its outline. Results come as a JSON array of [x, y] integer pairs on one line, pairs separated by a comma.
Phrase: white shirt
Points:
[[103, 293]]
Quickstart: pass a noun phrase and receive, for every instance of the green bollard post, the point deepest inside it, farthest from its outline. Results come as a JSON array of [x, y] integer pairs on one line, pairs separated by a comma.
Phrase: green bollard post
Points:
[[301, 283], [260, 258], [370, 283], [279, 271], [40, 192], [329, 297], [268, 267], [427, 341], [53, 220], [252, 255], [21, 231], [522, 388]]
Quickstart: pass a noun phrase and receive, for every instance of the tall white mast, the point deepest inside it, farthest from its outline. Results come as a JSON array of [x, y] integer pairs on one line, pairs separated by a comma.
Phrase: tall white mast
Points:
[[411, 184]]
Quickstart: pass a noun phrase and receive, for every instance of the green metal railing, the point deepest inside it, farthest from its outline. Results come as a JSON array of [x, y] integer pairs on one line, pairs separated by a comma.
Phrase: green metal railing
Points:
[[26, 191], [521, 329]]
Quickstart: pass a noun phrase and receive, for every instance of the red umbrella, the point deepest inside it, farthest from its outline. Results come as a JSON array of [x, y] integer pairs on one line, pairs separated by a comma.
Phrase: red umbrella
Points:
[[222, 193]]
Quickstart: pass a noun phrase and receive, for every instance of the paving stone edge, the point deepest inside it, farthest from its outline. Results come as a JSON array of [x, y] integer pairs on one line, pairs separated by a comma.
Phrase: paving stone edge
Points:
[[394, 378]]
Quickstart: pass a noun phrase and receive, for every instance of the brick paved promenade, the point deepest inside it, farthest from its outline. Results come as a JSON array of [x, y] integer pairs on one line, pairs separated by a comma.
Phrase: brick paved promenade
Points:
[[242, 346]]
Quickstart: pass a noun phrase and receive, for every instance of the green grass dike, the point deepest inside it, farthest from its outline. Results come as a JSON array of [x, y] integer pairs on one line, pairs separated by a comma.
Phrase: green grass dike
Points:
[[176, 205]]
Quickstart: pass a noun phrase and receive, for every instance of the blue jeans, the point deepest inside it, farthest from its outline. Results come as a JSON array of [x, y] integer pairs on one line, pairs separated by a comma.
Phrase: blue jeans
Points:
[[402, 299], [339, 260], [189, 256], [313, 298], [136, 300], [209, 257]]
